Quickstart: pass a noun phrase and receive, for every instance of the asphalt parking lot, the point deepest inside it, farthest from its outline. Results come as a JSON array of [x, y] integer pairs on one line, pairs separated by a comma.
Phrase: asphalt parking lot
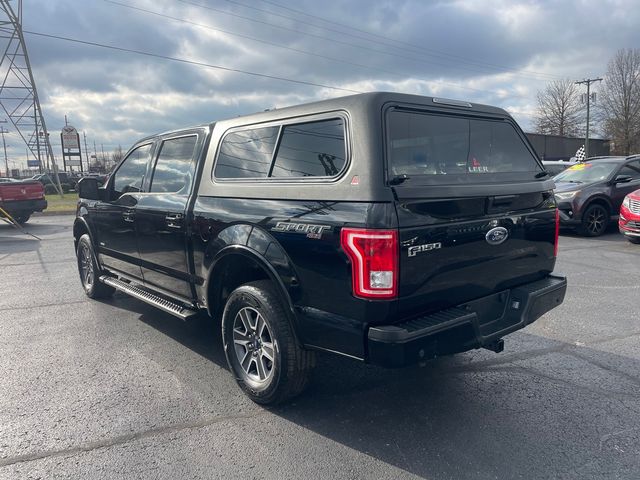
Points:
[[119, 389]]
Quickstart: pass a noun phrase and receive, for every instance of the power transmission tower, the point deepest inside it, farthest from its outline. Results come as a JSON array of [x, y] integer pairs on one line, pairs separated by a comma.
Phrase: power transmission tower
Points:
[[18, 94], [588, 83]]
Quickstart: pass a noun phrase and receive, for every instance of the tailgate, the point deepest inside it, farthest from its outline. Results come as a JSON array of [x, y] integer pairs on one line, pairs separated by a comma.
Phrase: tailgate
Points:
[[10, 192], [459, 249]]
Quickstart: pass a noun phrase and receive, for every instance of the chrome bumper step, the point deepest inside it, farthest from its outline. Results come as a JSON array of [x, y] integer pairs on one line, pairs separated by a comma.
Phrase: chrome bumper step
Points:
[[148, 297]]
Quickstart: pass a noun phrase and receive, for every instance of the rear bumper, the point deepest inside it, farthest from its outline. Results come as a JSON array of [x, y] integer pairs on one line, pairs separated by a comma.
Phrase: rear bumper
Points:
[[20, 206], [479, 323]]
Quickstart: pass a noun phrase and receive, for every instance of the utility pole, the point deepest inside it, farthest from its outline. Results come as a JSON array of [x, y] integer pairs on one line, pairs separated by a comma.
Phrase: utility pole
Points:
[[86, 151], [18, 93], [4, 144], [588, 83]]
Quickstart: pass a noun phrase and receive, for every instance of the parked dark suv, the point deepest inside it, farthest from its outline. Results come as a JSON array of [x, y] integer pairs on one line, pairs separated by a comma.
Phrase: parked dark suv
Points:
[[383, 227], [589, 194]]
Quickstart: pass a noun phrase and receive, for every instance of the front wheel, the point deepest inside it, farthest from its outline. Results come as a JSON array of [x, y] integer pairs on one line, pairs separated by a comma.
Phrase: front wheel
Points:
[[595, 221], [89, 272], [261, 349]]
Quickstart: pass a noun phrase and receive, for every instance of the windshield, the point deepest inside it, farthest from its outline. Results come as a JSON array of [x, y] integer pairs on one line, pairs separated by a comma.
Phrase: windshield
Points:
[[587, 172], [466, 149]]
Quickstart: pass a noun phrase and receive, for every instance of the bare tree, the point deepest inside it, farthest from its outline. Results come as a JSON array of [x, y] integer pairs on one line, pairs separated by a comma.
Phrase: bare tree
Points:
[[117, 155], [619, 105], [559, 109]]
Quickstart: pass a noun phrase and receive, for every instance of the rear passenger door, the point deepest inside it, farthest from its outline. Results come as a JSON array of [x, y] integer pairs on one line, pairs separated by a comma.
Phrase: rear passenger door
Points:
[[160, 215]]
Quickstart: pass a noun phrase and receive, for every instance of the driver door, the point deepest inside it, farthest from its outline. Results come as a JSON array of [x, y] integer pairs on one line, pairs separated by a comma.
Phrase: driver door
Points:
[[115, 216]]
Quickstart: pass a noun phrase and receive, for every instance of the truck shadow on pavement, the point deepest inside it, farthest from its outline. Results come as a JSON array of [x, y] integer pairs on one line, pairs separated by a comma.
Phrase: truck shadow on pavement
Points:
[[17, 241], [543, 409]]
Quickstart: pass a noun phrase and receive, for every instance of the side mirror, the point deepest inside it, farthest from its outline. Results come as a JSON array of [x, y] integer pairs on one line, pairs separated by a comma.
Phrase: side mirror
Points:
[[88, 188], [622, 179]]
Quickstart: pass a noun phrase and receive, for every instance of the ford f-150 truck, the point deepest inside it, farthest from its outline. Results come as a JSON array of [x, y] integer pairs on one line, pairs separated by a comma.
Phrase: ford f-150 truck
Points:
[[387, 228], [21, 198]]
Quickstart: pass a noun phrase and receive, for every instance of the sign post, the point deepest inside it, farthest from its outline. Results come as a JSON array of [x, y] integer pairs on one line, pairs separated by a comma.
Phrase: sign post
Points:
[[71, 154]]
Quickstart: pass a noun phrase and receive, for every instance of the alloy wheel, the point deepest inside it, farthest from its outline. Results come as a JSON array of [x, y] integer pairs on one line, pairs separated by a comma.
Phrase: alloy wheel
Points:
[[596, 221], [253, 345], [86, 266]]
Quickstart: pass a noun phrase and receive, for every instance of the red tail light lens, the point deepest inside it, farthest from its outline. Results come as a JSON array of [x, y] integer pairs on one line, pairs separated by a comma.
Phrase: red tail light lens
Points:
[[555, 245], [374, 261]]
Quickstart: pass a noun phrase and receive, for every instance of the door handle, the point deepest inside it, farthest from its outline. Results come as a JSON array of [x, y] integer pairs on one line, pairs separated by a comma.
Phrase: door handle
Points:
[[128, 215], [174, 220]]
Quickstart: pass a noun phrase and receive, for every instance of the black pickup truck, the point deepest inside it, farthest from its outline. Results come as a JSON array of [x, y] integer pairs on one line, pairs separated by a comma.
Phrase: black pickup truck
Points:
[[384, 227]]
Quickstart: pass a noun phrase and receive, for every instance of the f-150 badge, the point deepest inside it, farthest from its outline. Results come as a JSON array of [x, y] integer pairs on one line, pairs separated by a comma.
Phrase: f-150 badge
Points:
[[312, 231], [413, 251]]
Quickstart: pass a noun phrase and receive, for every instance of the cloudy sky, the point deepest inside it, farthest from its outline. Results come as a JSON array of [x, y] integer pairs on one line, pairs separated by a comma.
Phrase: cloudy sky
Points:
[[499, 52]]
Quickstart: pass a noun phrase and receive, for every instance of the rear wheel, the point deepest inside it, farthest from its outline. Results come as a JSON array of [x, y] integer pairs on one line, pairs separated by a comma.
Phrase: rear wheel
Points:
[[595, 221], [260, 346], [22, 218], [89, 272]]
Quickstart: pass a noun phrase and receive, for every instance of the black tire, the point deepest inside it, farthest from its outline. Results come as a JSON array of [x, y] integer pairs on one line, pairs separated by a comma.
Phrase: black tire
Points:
[[89, 271], [595, 220], [288, 373], [22, 218], [635, 240]]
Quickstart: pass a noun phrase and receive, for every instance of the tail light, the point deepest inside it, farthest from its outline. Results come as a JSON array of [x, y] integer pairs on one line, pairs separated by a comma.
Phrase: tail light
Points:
[[555, 245], [374, 261]]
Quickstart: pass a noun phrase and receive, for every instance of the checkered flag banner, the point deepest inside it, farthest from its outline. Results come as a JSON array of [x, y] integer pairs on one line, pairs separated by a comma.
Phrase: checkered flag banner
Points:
[[580, 154]]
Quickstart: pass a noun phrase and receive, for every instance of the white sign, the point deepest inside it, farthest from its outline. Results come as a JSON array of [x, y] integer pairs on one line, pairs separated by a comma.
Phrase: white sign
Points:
[[72, 162], [70, 138]]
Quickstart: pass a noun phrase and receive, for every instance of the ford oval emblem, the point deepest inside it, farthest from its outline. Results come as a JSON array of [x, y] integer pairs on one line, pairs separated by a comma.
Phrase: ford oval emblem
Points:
[[497, 235]]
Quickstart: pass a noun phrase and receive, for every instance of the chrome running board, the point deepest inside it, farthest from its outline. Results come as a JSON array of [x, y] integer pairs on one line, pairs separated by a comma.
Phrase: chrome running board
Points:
[[148, 297]]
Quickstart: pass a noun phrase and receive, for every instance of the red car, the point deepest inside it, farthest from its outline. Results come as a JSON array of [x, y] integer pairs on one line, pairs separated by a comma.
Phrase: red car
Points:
[[21, 199], [629, 221]]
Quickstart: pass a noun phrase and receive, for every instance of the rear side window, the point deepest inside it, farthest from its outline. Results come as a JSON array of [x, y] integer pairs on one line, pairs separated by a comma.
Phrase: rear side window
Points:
[[246, 153], [314, 149], [467, 148], [175, 165], [309, 149], [130, 175]]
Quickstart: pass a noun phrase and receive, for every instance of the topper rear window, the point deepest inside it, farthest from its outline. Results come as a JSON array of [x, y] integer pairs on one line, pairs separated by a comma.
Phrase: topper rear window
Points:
[[464, 149]]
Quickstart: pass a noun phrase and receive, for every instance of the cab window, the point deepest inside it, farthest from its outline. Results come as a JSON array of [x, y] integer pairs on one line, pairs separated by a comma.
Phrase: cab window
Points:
[[129, 177], [174, 168]]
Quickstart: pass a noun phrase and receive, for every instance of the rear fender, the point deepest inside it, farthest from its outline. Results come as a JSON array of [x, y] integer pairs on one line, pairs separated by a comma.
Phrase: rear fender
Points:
[[260, 248]]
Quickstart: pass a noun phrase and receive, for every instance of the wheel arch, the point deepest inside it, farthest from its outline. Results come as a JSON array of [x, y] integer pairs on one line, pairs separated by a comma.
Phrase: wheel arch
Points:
[[80, 227], [598, 200], [236, 265]]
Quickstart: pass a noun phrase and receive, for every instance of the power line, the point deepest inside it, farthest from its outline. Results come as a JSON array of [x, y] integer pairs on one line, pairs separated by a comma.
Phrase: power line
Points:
[[340, 42], [210, 27], [415, 48], [266, 42], [408, 44], [188, 62]]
